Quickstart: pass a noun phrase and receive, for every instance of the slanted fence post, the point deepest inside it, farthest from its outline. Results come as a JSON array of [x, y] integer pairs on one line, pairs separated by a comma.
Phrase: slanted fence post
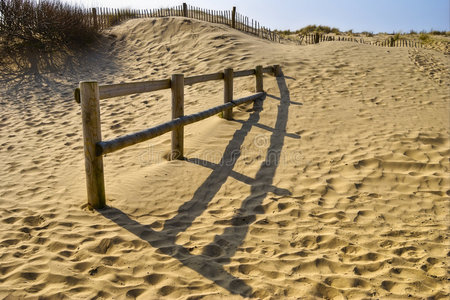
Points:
[[259, 79], [177, 86], [185, 10], [233, 17], [228, 92], [90, 114]]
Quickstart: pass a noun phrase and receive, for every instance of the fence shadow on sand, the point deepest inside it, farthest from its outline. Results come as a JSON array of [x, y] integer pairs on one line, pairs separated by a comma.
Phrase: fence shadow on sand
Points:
[[210, 263]]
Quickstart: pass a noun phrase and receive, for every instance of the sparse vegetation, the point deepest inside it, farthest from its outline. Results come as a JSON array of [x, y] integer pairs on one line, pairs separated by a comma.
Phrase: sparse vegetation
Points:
[[367, 33], [44, 26], [283, 32], [317, 29], [327, 30], [432, 39], [396, 36], [437, 32], [425, 38]]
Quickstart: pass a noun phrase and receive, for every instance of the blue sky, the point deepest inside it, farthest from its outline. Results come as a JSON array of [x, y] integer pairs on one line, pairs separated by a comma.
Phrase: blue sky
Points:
[[359, 15]]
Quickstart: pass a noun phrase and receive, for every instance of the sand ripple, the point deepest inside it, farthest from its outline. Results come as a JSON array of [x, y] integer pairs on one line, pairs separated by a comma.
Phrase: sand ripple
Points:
[[336, 187]]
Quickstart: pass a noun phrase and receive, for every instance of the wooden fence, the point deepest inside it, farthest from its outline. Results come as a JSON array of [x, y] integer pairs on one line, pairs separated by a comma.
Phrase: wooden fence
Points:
[[106, 17], [103, 18], [90, 93], [315, 38]]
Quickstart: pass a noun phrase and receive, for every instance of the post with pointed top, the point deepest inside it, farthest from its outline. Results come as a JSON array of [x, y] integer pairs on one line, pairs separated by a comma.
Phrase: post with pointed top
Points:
[[185, 10], [228, 92], [259, 79], [177, 86], [90, 114], [233, 17]]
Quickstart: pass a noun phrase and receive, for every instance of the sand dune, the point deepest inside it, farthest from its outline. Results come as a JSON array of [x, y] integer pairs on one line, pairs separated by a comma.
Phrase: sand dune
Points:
[[335, 187]]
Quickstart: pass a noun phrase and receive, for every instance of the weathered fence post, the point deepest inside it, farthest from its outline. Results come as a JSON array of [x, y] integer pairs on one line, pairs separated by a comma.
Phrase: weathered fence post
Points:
[[90, 114], [177, 86], [233, 17], [94, 16], [228, 92], [277, 71], [185, 10], [259, 79]]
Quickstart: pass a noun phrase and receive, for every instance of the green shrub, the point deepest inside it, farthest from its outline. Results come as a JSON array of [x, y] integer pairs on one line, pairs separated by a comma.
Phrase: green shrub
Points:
[[367, 33], [425, 38], [437, 32], [335, 30], [317, 29], [283, 32], [396, 36]]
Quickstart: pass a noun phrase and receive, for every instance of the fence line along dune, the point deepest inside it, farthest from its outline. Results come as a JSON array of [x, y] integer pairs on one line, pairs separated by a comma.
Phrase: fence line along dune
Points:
[[104, 17], [336, 186]]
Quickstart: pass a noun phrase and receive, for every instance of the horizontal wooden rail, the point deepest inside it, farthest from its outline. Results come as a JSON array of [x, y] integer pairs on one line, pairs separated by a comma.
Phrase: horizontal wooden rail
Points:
[[243, 73], [203, 78], [123, 89], [105, 147], [89, 95], [129, 88]]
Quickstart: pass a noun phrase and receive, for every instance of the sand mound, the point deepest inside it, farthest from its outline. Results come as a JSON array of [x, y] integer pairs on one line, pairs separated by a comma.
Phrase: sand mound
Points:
[[336, 187]]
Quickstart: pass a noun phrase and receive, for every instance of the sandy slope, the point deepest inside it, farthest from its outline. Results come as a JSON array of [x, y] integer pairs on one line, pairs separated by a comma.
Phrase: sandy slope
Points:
[[337, 186]]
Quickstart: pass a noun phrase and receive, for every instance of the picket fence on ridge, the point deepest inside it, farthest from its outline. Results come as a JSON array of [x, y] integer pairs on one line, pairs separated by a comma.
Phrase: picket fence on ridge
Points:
[[103, 18]]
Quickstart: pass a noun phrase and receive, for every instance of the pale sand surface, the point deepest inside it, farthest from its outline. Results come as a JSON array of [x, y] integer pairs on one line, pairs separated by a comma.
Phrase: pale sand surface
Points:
[[337, 187]]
